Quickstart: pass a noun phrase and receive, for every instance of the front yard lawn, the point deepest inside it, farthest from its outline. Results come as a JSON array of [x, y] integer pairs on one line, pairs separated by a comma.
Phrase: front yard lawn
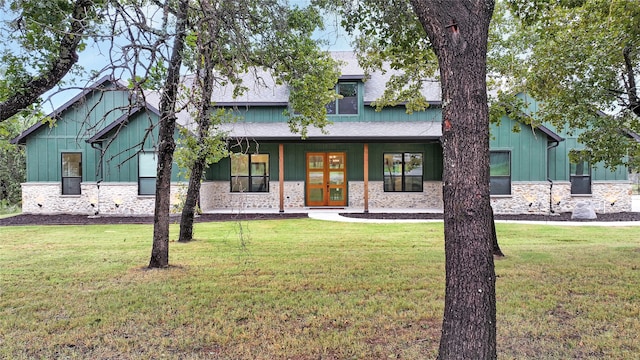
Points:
[[307, 289]]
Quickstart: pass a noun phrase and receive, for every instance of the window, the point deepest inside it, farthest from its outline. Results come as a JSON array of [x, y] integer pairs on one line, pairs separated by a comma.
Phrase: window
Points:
[[580, 177], [250, 173], [348, 104], [71, 173], [147, 170], [500, 172], [403, 172]]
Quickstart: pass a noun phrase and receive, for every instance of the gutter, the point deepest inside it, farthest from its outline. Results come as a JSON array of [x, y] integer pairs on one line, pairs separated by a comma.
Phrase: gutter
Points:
[[555, 144], [99, 173]]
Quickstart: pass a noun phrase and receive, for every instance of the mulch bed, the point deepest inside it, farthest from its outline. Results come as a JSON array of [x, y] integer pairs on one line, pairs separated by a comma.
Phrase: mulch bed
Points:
[[31, 219], [622, 216]]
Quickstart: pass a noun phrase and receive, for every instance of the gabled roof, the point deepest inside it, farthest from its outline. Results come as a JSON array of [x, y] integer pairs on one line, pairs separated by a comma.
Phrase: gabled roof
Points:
[[21, 139], [550, 134], [553, 136], [121, 121], [633, 135], [264, 90], [627, 132]]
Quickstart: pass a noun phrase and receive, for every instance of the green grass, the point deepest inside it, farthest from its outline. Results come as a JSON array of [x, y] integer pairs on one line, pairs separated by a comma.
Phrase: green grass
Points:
[[306, 289], [8, 210]]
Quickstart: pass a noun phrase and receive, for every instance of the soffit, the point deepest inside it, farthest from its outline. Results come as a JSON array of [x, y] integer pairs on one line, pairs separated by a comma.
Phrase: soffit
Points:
[[355, 131]]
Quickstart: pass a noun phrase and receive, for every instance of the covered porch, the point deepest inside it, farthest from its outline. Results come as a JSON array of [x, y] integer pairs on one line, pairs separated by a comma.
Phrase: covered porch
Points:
[[340, 167]]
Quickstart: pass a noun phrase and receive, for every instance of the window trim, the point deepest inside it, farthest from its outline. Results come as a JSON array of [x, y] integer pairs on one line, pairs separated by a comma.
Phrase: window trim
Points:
[[63, 177], [250, 177], [403, 176], [507, 177], [336, 103], [155, 156]]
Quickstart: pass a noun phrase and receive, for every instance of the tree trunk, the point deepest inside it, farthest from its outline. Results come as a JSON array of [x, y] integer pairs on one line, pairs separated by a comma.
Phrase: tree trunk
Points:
[[188, 211], [630, 83], [494, 238], [205, 89], [166, 145], [458, 31]]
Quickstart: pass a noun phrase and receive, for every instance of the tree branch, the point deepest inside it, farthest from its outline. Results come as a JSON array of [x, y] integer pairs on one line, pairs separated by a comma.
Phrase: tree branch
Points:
[[634, 102], [58, 67]]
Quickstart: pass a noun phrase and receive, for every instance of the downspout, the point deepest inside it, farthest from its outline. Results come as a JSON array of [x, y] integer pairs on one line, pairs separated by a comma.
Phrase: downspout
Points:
[[554, 145], [98, 147]]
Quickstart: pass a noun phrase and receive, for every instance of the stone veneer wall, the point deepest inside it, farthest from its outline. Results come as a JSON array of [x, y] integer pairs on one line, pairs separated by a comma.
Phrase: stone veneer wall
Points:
[[533, 197], [216, 195], [429, 199], [526, 197], [110, 199]]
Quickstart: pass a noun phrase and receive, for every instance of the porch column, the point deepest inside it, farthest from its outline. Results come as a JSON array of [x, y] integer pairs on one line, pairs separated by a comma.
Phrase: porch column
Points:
[[366, 178], [281, 174]]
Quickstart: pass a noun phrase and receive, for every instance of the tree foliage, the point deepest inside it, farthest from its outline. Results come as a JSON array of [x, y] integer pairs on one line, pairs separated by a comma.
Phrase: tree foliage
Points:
[[41, 41], [12, 162], [580, 60], [388, 37]]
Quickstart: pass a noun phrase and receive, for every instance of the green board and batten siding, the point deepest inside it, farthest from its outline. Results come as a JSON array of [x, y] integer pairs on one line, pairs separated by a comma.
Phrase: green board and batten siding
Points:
[[527, 149], [120, 159], [76, 123], [527, 143], [558, 155], [81, 121], [275, 114], [559, 164], [124, 143]]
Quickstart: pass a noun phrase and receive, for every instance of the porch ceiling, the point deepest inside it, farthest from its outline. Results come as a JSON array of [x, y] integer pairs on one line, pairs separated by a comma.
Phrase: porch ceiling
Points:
[[342, 131]]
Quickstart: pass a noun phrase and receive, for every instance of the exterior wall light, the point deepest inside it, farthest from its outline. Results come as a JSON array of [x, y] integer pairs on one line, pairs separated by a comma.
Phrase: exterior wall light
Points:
[[557, 199]]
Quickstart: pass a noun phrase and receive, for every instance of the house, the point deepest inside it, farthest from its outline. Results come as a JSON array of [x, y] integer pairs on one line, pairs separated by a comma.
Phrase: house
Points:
[[364, 160]]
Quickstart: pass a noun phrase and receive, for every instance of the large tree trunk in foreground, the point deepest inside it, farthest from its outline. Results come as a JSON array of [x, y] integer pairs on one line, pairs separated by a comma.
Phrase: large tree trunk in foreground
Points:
[[166, 145], [458, 31]]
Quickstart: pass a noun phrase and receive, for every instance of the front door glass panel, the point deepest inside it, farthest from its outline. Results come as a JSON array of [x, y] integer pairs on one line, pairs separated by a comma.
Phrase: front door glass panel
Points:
[[316, 177], [316, 162], [336, 194], [336, 177], [316, 195]]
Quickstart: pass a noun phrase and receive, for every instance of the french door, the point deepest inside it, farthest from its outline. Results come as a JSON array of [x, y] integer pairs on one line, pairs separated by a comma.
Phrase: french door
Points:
[[326, 179]]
